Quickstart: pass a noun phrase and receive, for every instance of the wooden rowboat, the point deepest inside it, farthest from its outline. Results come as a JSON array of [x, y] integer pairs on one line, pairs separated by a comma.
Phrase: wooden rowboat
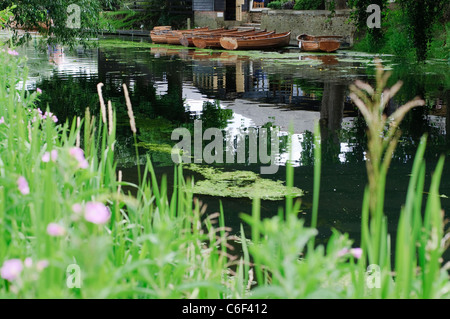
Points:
[[272, 41], [159, 35], [187, 39], [162, 28], [319, 43], [173, 37], [158, 38], [213, 41]]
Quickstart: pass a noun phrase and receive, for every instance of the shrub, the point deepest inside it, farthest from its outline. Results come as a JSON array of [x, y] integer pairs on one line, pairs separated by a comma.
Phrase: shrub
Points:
[[288, 5], [309, 5], [276, 5]]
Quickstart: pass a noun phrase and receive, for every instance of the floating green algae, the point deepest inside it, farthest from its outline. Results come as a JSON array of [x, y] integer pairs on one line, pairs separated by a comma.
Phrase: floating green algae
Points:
[[239, 184], [135, 44]]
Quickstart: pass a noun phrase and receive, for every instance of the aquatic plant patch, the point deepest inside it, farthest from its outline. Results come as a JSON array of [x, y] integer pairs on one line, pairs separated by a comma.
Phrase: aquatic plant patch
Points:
[[239, 184]]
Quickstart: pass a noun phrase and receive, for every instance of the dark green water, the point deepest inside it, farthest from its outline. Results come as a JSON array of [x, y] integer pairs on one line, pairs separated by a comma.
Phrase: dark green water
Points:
[[169, 86]]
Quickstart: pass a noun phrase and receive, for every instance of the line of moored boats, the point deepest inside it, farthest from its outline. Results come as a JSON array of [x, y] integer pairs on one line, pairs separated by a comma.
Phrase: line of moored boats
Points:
[[234, 39]]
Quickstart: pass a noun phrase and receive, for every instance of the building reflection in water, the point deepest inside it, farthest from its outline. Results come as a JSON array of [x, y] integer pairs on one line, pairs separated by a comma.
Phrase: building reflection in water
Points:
[[174, 84]]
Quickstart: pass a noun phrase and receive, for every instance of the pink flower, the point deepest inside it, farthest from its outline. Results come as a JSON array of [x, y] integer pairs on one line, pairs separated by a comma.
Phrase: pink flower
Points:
[[13, 52], [42, 264], [55, 230], [23, 185], [356, 252], [97, 213], [39, 90], [46, 157], [2, 120], [78, 154], [50, 115], [11, 269], [77, 208], [54, 155], [342, 252]]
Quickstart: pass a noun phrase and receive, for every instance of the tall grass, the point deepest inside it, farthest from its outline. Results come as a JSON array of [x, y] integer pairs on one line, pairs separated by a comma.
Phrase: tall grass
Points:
[[63, 210], [152, 246]]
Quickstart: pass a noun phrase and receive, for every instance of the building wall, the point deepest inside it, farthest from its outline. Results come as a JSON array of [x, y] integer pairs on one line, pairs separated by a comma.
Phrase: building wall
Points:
[[215, 5], [313, 22], [212, 13], [215, 19], [203, 5]]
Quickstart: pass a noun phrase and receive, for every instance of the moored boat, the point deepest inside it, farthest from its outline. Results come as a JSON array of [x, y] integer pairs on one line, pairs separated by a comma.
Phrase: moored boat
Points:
[[187, 38], [158, 38], [162, 28], [174, 37], [164, 34], [213, 41], [319, 43], [271, 41]]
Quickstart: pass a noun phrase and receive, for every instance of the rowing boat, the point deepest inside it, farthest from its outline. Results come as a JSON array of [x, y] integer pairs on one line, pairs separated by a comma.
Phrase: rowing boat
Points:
[[271, 41], [162, 28], [187, 38], [213, 41], [319, 43], [159, 35], [173, 37]]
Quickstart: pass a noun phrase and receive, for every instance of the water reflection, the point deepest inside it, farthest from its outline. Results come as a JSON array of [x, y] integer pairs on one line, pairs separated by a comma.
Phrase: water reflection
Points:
[[174, 85]]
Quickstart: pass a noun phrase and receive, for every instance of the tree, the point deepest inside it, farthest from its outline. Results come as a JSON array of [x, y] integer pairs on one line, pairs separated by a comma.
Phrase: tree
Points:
[[52, 19], [421, 15]]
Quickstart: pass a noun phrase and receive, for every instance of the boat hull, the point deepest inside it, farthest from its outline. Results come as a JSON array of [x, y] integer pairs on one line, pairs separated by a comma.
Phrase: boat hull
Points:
[[328, 44], [213, 42], [158, 38], [187, 38], [165, 35], [272, 41]]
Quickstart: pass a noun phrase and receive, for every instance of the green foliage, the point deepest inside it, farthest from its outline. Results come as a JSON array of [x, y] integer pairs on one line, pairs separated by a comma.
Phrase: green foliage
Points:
[[158, 13], [137, 253], [50, 18], [410, 32], [121, 20], [309, 5], [6, 15], [298, 4], [420, 241], [421, 16], [397, 38], [375, 36], [290, 273], [215, 116], [276, 5]]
